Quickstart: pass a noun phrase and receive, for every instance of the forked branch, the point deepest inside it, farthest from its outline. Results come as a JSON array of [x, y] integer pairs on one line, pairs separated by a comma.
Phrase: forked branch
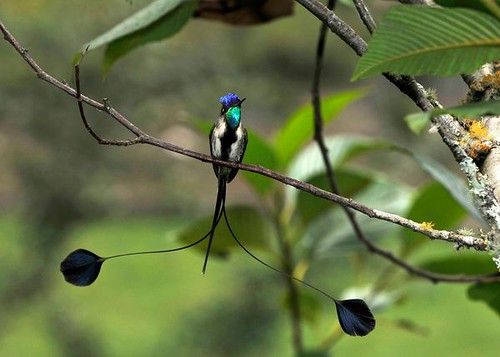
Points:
[[330, 172]]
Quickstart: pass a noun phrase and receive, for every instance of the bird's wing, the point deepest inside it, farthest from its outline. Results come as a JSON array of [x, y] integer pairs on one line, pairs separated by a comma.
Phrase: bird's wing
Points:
[[240, 154], [211, 139]]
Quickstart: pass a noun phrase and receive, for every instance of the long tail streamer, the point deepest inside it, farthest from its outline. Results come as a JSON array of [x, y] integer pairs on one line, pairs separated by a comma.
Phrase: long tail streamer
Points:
[[354, 315]]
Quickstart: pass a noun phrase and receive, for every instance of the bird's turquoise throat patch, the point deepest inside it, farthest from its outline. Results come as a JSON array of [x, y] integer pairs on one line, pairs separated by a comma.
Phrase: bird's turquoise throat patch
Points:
[[233, 116]]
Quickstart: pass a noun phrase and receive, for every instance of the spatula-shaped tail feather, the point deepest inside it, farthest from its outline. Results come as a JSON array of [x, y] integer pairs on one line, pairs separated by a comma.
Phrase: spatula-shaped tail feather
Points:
[[355, 317]]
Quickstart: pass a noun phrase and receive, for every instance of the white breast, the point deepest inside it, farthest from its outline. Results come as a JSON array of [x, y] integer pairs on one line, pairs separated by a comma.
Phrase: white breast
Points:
[[235, 153], [219, 130]]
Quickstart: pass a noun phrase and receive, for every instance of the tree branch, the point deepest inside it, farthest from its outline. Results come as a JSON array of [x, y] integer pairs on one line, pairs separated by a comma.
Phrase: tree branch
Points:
[[406, 84], [365, 15], [449, 129], [91, 131], [316, 104], [478, 243], [330, 173]]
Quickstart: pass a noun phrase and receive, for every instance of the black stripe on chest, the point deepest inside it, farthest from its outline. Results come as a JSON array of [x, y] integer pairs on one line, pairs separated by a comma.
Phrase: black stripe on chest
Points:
[[228, 139]]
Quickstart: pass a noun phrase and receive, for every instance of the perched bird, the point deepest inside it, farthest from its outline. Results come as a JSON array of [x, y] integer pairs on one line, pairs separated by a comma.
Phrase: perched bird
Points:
[[228, 142]]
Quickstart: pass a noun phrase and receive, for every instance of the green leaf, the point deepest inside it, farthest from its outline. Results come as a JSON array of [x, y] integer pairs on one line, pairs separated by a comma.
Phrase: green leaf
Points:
[[453, 184], [488, 293], [298, 128], [418, 121], [435, 204], [468, 263], [258, 152], [493, 6], [418, 40], [250, 226], [157, 21], [491, 107]]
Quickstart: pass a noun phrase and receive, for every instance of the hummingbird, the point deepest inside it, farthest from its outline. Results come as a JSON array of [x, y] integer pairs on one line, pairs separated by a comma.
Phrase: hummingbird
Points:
[[228, 141]]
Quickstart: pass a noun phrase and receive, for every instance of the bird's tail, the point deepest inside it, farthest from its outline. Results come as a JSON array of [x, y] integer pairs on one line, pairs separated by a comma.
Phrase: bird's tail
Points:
[[219, 205]]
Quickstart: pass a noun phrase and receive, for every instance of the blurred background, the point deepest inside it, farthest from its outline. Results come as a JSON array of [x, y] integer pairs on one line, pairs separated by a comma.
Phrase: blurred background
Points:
[[60, 191]]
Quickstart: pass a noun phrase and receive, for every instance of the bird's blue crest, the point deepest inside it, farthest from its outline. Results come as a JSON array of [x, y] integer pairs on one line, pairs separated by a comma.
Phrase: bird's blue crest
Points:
[[229, 100]]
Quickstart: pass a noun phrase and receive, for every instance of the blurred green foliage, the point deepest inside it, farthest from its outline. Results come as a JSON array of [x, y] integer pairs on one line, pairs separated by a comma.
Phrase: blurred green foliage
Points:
[[60, 191]]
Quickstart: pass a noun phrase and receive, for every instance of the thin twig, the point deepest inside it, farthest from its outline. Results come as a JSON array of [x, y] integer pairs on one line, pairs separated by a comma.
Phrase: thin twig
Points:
[[477, 243], [365, 15], [65, 87], [91, 131]]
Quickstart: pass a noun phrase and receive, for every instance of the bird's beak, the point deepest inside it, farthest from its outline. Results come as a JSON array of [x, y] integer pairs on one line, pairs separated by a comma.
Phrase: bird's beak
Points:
[[241, 101]]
